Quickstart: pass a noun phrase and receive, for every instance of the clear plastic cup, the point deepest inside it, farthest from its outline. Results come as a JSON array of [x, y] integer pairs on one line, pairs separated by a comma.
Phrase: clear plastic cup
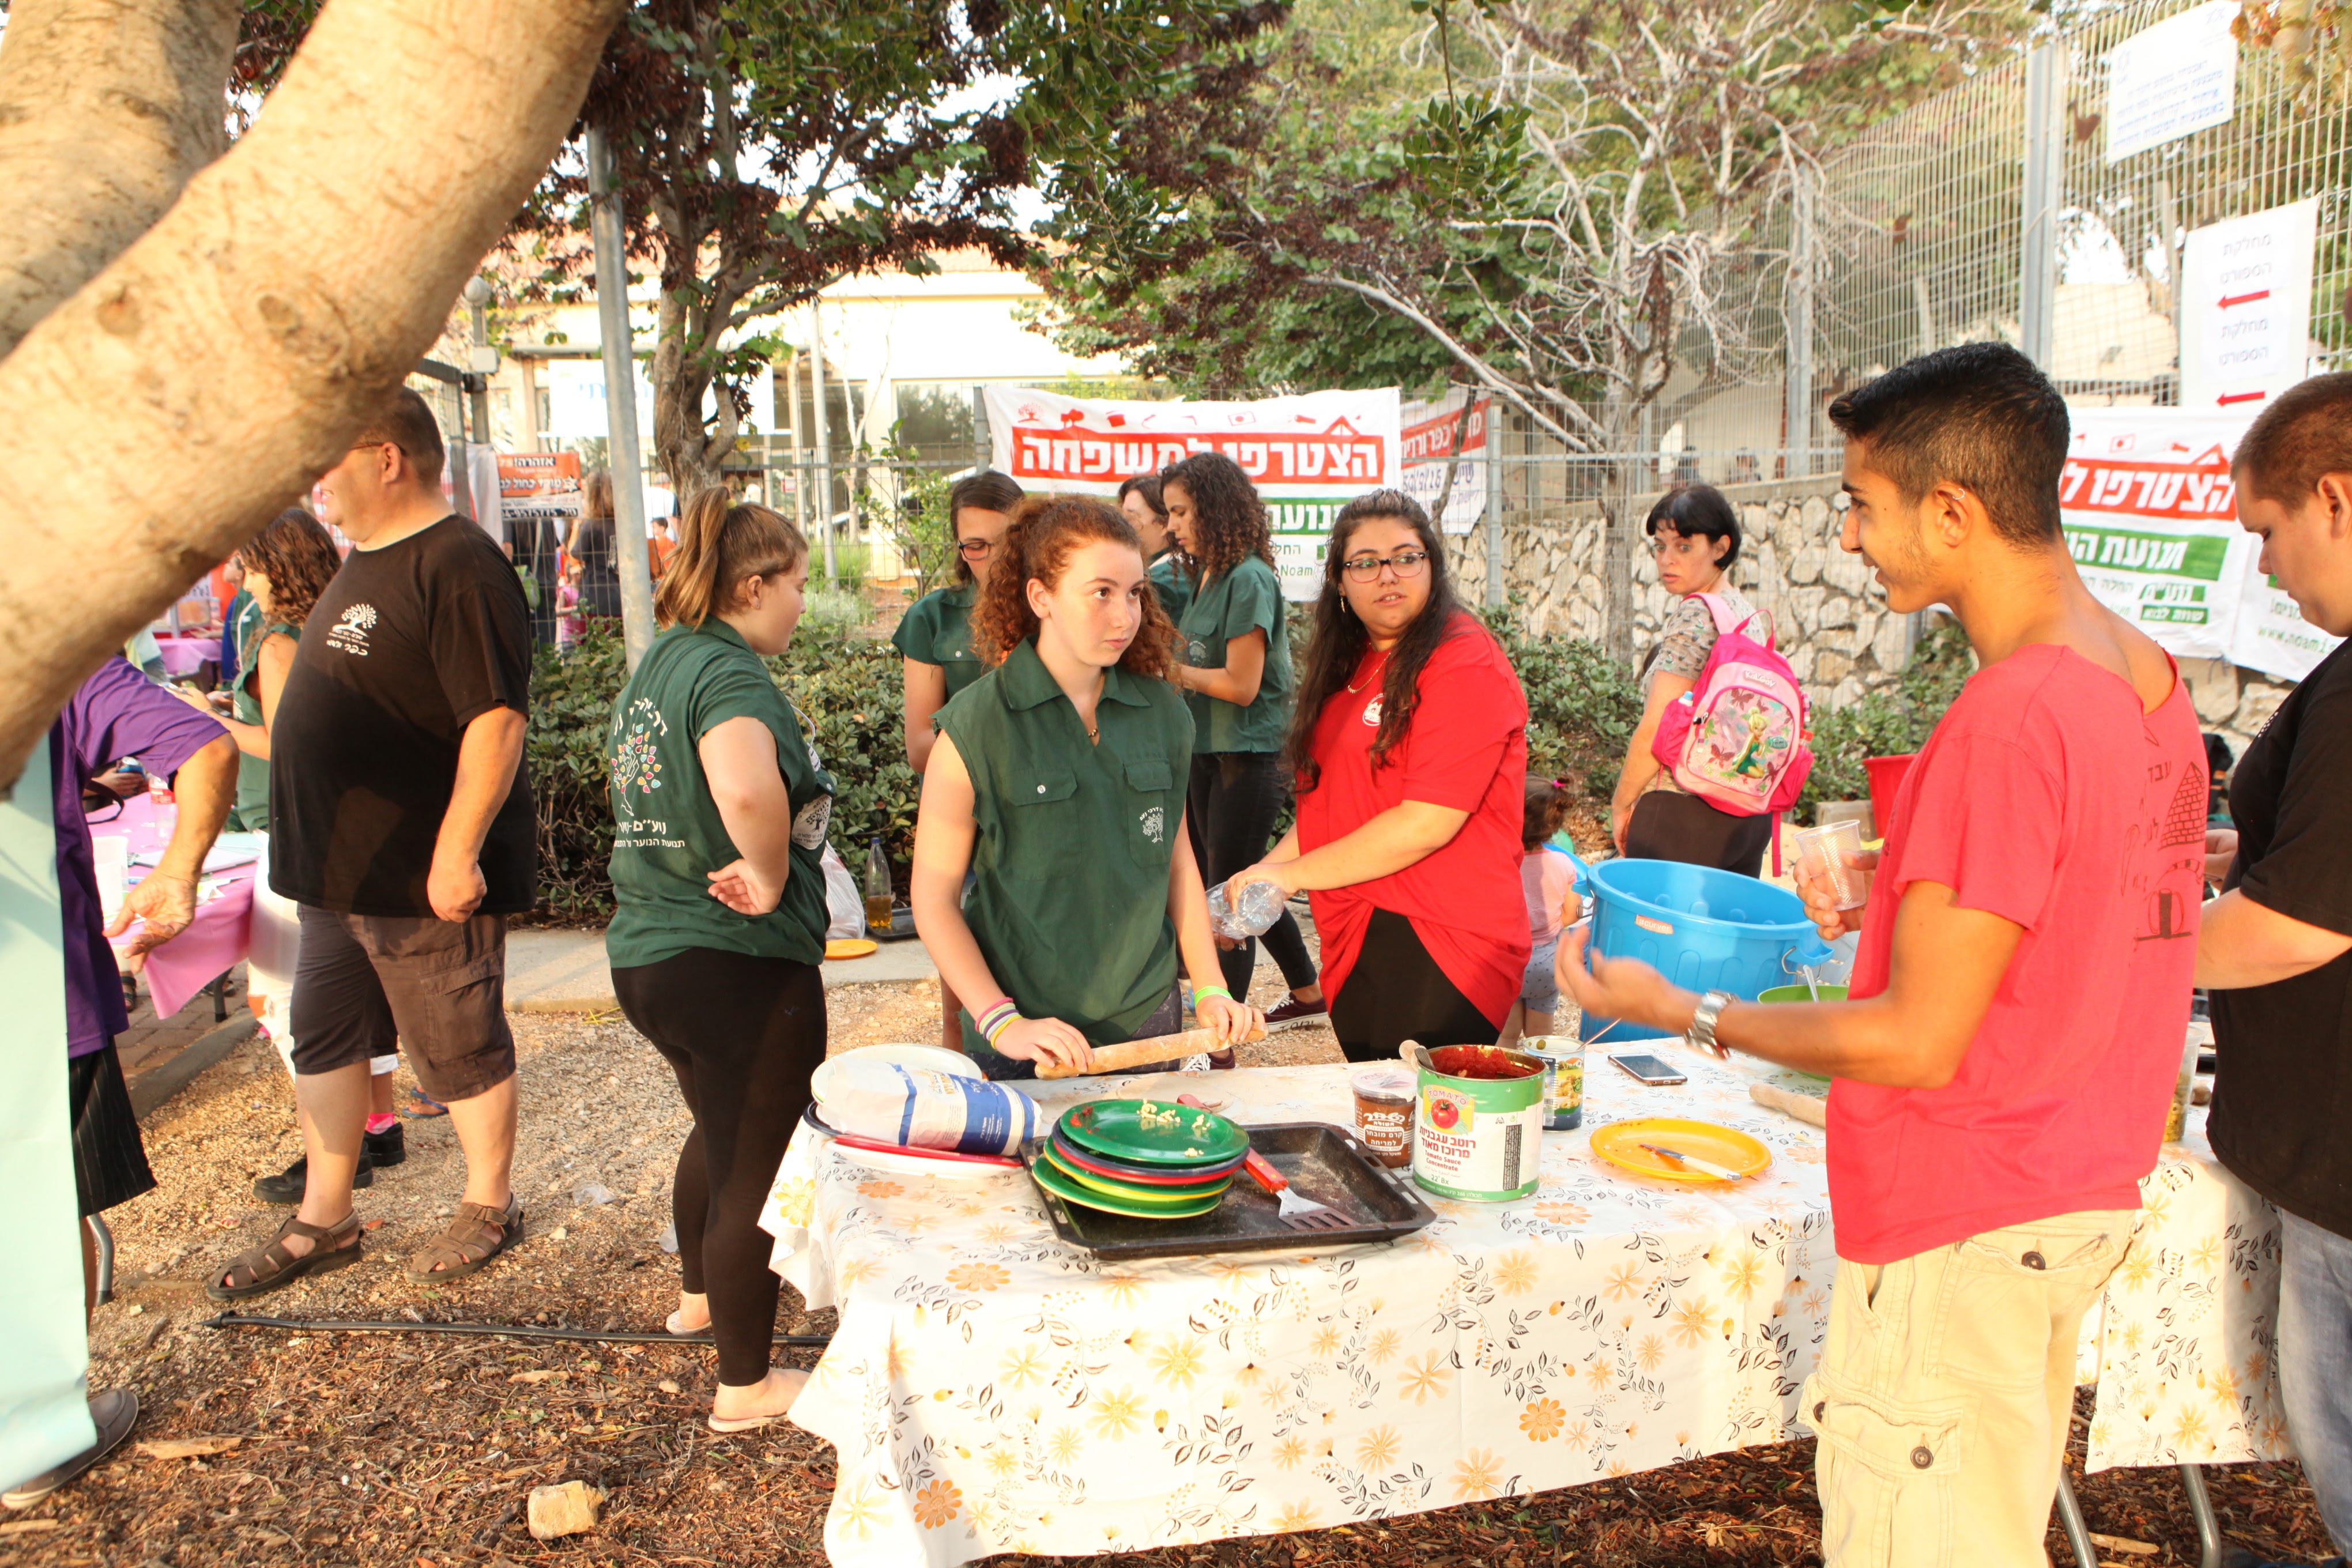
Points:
[[1820, 854]]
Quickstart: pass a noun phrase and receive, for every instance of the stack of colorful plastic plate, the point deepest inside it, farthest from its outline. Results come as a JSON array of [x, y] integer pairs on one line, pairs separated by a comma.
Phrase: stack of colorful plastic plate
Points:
[[1146, 1159]]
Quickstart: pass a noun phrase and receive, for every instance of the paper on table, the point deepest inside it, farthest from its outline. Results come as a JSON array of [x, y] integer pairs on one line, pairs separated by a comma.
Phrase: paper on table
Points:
[[219, 857]]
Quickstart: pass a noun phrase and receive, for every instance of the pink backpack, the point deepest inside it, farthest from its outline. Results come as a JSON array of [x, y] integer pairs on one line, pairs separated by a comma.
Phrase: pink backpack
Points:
[[1736, 738]]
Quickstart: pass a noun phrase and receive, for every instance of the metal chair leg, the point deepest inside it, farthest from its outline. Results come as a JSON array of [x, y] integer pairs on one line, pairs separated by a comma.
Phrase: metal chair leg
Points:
[[219, 988], [2208, 1526], [2070, 1519], [103, 1239]]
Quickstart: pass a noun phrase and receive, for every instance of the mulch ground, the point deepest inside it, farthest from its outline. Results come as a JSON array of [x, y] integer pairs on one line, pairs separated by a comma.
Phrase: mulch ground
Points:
[[419, 1451]]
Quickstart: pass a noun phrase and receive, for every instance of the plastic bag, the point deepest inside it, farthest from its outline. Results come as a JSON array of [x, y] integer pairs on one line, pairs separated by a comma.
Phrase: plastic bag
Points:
[[844, 909], [926, 1109]]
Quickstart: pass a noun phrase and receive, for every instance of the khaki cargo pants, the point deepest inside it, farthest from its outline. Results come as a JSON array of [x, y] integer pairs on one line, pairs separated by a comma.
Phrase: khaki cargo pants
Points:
[[1945, 1391]]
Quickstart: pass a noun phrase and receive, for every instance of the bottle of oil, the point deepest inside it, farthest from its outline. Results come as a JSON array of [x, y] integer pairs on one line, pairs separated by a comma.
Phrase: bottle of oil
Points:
[[878, 892]]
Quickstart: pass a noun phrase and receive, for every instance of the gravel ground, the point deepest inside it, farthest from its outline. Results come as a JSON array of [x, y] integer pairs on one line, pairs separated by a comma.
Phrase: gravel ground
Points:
[[417, 1450]]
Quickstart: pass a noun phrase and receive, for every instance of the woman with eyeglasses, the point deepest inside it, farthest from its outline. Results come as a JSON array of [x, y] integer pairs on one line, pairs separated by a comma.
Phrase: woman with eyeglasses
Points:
[[1694, 538], [934, 636], [1234, 653], [1410, 750]]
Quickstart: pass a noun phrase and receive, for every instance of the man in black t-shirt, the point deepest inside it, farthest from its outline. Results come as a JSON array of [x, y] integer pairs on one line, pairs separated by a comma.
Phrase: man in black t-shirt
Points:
[[2275, 949], [401, 823]]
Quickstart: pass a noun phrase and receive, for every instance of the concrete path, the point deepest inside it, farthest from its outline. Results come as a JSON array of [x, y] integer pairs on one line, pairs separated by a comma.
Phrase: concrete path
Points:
[[565, 972]]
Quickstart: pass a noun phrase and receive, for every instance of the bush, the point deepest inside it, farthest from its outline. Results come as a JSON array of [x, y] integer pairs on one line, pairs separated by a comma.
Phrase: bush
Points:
[[1886, 724], [1583, 705], [846, 686]]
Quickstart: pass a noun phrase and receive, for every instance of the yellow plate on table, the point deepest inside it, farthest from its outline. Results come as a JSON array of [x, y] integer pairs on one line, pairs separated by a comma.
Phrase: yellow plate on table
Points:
[[849, 947], [1621, 1143]]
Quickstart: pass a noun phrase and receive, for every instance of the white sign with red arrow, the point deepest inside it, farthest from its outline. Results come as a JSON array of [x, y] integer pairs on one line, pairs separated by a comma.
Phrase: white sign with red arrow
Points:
[[2245, 308]]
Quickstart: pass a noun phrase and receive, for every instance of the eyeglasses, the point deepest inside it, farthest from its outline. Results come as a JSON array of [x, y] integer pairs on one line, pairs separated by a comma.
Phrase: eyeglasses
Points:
[[1405, 564], [973, 548]]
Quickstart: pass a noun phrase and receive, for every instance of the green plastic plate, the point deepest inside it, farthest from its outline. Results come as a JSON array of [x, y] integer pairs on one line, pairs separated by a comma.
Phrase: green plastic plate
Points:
[[1154, 1133], [1048, 1175], [1155, 1198]]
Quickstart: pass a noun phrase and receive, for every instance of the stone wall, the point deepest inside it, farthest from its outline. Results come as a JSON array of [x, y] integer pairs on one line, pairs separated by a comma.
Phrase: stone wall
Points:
[[1833, 623]]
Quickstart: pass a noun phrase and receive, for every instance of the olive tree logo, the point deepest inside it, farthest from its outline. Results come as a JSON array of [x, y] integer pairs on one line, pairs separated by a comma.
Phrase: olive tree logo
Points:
[[1155, 825]]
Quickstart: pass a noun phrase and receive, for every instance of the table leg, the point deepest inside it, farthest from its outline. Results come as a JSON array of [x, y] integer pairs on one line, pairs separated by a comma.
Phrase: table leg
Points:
[[219, 988], [2070, 1519], [2208, 1527]]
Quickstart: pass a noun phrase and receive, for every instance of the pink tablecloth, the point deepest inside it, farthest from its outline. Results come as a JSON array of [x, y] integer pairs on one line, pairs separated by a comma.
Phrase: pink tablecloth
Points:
[[214, 941], [182, 654]]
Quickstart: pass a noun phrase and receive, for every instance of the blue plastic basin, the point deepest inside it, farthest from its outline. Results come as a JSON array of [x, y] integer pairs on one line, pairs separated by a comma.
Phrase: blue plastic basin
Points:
[[1703, 928]]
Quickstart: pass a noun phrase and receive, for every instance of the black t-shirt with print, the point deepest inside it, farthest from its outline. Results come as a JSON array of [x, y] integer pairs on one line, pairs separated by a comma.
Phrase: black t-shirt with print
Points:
[[2283, 1098], [409, 645]]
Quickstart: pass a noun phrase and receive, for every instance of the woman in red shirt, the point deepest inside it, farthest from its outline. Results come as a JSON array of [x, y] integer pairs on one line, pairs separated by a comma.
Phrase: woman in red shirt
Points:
[[1408, 746]]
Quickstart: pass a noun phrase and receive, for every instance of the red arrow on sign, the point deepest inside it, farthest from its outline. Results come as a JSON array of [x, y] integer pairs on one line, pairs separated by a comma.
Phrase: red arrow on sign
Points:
[[2228, 397], [2229, 300]]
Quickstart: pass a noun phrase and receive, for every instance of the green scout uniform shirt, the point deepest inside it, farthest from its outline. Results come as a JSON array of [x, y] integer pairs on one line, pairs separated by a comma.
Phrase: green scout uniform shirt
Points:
[[666, 835], [1172, 583], [937, 630], [1069, 903], [251, 812], [1247, 598]]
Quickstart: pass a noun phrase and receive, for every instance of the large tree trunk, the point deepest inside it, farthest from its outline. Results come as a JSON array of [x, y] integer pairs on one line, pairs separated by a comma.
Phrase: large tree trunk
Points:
[[107, 107], [199, 382]]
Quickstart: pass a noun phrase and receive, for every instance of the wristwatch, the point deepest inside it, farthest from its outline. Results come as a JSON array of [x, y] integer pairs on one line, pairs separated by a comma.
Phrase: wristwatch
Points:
[[1701, 1032]]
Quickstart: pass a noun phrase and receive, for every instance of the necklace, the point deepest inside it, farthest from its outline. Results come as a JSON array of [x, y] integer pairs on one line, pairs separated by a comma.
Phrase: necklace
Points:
[[1369, 673], [1093, 735]]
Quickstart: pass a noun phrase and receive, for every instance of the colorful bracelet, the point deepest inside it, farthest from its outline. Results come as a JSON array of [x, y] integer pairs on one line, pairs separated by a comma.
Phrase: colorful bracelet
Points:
[[996, 1020], [1201, 990]]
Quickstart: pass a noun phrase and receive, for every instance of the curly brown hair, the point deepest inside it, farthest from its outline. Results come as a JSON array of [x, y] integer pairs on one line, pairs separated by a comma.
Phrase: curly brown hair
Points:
[[1045, 531], [1228, 518], [298, 555]]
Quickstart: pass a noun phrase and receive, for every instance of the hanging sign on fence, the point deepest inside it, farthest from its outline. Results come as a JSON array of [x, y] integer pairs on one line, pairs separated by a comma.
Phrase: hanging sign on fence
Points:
[[1309, 454], [2245, 307], [2151, 517], [1429, 433], [2164, 81], [2272, 636]]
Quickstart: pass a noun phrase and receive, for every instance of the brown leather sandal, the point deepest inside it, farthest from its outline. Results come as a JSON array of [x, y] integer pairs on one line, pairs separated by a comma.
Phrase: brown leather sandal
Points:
[[257, 1270], [478, 1234]]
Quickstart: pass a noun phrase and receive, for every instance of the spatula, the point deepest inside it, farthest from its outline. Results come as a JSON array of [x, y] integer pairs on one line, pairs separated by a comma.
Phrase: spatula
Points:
[[1297, 1213]]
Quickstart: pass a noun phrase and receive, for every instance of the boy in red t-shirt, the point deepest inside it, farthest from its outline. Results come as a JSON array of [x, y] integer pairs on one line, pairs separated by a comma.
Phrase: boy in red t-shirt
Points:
[[2002, 1070]]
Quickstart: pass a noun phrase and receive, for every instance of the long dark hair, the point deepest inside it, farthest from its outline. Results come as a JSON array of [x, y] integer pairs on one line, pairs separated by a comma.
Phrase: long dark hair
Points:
[[1339, 638], [986, 490], [1043, 532], [298, 555], [1228, 518]]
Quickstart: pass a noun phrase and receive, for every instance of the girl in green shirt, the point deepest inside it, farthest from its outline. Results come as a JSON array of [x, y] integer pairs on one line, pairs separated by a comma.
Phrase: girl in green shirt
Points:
[[1057, 781], [1235, 673], [719, 810]]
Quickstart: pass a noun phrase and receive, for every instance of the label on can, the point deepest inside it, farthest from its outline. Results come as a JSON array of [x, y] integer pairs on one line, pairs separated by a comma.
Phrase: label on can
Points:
[[1463, 1149], [1563, 1090]]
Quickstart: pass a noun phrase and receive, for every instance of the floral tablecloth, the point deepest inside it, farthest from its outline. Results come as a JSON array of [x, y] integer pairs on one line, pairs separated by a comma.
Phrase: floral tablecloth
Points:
[[2184, 1346], [990, 1389]]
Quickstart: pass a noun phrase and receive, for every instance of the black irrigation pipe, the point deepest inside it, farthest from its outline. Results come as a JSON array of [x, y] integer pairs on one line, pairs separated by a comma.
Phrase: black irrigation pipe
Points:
[[490, 1331]]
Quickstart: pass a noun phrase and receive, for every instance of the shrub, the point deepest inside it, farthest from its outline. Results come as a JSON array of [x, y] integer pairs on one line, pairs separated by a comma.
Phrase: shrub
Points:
[[846, 686], [1883, 723], [1583, 705]]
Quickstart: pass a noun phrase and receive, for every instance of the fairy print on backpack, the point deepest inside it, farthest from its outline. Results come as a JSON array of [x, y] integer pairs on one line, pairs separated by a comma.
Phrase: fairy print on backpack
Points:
[[1736, 738]]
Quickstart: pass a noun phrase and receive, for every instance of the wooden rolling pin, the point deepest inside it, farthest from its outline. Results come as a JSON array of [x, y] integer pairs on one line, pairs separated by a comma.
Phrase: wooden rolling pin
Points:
[[1803, 1107], [1143, 1052]]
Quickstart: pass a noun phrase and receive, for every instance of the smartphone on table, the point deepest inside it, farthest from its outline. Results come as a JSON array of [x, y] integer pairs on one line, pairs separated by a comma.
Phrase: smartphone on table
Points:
[[1652, 1070]]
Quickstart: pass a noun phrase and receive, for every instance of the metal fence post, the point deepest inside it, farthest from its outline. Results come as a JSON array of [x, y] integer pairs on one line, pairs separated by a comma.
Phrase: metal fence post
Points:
[[823, 432], [1494, 504], [982, 450], [620, 401], [2045, 170], [1797, 410]]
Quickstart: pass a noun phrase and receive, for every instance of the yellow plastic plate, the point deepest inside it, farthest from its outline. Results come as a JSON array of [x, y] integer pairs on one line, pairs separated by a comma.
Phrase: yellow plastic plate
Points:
[[1621, 1143], [849, 947]]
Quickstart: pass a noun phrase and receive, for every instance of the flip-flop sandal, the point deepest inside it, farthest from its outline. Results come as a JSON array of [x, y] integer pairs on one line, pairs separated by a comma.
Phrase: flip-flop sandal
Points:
[[269, 1265], [467, 1244], [422, 1106]]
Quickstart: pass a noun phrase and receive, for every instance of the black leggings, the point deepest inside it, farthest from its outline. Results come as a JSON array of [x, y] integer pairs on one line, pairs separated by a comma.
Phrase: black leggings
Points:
[[1396, 993], [742, 1033], [1668, 825], [1233, 801]]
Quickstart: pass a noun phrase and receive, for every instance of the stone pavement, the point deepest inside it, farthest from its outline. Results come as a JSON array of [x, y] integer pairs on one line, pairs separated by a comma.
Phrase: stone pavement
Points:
[[160, 1055]]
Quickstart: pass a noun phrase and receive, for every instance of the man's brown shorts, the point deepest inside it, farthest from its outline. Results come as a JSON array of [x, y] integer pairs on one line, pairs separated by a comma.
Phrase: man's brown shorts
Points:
[[435, 988]]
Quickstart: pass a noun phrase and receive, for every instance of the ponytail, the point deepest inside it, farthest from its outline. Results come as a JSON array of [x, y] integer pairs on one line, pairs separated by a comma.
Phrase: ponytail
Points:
[[720, 542], [1037, 546]]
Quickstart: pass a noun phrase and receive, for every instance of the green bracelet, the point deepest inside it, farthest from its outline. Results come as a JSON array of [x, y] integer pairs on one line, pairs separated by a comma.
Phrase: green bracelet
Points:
[[1201, 990]]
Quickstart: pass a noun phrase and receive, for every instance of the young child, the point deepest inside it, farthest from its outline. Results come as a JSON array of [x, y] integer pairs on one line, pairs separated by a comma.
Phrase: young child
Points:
[[1548, 877]]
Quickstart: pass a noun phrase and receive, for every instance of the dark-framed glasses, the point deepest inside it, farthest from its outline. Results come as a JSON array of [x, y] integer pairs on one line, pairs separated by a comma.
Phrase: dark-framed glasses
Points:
[[973, 548], [1405, 564]]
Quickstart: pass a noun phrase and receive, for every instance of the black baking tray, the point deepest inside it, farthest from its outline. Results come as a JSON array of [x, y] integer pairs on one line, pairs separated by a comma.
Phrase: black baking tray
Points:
[[1330, 1164]]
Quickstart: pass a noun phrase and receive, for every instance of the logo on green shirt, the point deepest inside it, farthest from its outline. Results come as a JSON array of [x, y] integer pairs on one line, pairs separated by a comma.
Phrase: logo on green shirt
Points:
[[1155, 825], [636, 761]]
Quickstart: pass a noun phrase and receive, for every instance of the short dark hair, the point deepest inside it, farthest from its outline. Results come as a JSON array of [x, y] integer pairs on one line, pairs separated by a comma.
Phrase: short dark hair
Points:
[[405, 420], [1979, 414], [2297, 439], [1147, 486], [1698, 511]]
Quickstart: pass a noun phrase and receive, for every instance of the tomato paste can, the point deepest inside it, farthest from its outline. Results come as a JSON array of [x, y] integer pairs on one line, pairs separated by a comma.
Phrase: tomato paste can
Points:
[[1563, 1092], [1478, 1123]]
